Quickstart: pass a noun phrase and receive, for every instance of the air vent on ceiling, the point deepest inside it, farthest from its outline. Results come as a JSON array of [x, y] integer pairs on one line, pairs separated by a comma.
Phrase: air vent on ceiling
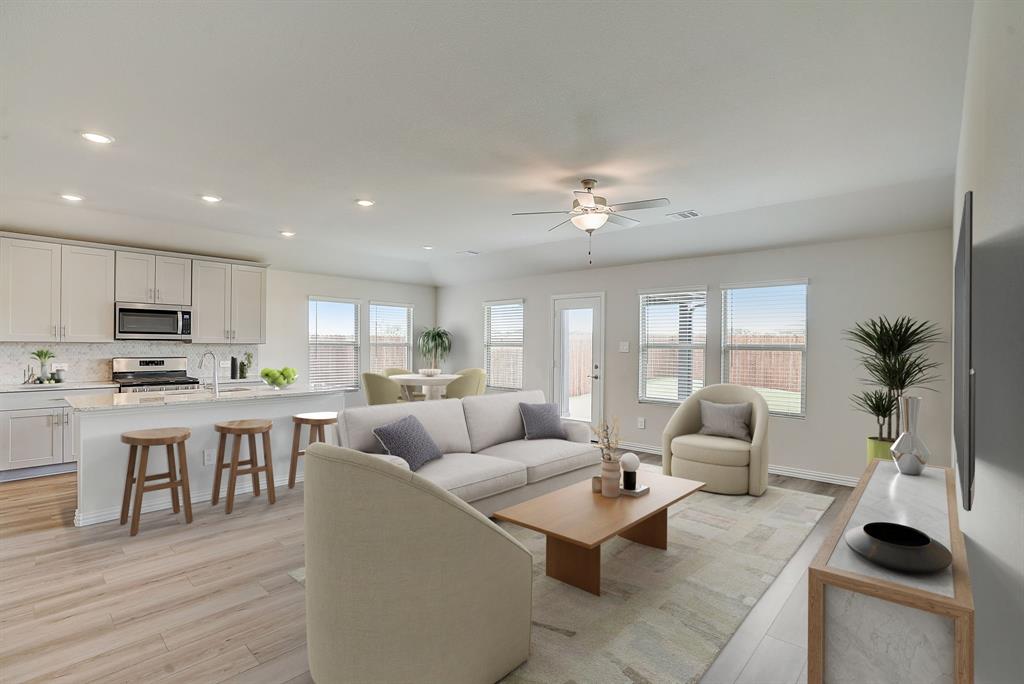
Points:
[[684, 215], [468, 252]]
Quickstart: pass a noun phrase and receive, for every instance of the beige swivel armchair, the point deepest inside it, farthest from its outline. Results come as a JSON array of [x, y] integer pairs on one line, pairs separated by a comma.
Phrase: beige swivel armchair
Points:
[[404, 581], [726, 465], [472, 381], [381, 390]]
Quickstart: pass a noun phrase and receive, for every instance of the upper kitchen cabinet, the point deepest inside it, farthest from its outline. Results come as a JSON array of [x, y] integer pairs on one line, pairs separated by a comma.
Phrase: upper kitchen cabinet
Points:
[[29, 291], [248, 304], [147, 278], [211, 301], [87, 294], [229, 303], [173, 280]]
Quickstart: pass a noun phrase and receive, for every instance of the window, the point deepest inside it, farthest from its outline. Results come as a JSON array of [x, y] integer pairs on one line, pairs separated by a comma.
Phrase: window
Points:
[[673, 333], [333, 343], [503, 344], [764, 343], [390, 336]]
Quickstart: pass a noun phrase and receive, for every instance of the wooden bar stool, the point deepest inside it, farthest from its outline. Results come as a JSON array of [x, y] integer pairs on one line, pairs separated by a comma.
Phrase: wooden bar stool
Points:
[[159, 437], [244, 428], [316, 423]]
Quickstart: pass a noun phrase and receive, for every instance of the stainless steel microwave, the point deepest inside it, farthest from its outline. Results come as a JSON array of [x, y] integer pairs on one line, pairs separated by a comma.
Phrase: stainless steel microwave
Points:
[[153, 322]]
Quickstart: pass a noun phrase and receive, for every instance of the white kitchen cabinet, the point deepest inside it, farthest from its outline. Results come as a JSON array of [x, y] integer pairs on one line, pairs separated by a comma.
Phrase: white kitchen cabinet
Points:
[[136, 277], [29, 291], [248, 304], [173, 284], [211, 301], [87, 294], [147, 278], [32, 437]]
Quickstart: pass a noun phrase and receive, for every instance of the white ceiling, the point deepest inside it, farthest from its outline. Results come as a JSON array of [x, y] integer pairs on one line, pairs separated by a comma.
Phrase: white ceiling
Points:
[[454, 115]]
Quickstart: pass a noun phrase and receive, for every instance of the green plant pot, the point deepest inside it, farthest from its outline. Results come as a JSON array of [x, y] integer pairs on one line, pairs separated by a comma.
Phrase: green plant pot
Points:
[[878, 449]]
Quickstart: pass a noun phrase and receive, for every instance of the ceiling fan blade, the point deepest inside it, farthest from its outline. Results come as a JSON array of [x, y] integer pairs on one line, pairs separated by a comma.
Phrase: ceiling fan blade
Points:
[[643, 204], [537, 213], [585, 198], [560, 224], [622, 220]]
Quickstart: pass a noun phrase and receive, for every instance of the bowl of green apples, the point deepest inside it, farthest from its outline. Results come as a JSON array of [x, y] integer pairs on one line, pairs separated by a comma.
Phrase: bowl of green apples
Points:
[[279, 379]]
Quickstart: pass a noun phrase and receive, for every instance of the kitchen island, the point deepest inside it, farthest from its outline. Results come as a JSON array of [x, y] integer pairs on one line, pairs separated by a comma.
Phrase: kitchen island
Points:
[[99, 420]]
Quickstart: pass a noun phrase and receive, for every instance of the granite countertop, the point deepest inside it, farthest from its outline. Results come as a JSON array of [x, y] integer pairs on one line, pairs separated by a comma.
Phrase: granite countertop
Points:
[[137, 400], [59, 386]]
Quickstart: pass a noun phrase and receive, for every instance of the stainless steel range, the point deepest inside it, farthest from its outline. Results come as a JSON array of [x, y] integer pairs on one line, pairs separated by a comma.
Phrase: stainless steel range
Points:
[[153, 374]]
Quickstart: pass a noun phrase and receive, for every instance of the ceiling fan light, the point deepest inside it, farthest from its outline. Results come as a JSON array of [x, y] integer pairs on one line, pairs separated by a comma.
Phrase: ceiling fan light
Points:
[[590, 221]]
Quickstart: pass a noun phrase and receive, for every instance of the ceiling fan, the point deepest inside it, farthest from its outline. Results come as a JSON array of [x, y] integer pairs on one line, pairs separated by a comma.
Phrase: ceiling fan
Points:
[[589, 211]]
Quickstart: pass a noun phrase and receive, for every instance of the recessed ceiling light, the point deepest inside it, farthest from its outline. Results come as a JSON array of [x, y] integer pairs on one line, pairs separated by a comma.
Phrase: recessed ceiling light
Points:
[[287, 233], [99, 138], [72, 198], [428, 247], [365, 202], [212, 199]]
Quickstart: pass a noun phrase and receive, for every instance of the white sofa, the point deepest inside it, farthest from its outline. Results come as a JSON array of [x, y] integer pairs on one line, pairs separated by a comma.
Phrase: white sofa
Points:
[[405, 582], [487, 462]]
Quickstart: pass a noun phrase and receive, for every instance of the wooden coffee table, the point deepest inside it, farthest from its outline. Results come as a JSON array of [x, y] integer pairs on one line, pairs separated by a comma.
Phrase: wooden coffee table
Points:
[[578, 520]]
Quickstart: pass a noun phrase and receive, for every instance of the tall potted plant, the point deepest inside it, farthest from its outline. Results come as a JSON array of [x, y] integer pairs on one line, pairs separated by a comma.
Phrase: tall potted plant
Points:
[[435, 344], [893, 354]]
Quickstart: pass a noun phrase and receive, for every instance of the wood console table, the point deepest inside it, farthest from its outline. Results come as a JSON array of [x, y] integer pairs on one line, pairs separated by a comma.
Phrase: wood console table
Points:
[[866, 623]]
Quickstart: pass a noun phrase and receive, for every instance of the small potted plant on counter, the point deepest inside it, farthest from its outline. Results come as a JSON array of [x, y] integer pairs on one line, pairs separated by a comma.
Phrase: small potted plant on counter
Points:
[[44, 356], [243, 368], [434, 344]]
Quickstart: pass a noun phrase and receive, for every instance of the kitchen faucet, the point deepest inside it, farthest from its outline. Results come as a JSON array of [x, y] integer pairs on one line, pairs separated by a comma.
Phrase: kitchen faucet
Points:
[[202, 364]]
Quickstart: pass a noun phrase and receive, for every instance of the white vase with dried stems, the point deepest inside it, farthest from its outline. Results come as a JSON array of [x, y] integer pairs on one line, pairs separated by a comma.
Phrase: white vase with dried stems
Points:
[[608, 441]]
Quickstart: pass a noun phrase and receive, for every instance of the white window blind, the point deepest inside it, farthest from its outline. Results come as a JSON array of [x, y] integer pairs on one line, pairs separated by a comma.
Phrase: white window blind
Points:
[[503, 344], [333, 343], [673, 335], [390, 336], [764, 343]]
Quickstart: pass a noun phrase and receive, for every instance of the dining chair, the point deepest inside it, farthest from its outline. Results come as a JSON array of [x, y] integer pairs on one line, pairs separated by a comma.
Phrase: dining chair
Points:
[[381, 389], [472, 381], [388, 372]]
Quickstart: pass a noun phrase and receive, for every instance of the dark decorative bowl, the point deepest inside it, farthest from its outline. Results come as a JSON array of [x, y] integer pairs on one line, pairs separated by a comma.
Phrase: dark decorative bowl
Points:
[[898, 547]]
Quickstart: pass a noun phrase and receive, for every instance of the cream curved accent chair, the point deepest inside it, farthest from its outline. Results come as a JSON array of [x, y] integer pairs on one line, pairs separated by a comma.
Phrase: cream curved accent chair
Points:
[[388, 372], [404, 581], [726, 465], [472, 381], [381, 390]]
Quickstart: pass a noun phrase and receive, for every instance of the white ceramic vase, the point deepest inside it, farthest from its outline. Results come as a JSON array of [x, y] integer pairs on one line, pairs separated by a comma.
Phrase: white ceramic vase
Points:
[[610, 479], [909, 451]]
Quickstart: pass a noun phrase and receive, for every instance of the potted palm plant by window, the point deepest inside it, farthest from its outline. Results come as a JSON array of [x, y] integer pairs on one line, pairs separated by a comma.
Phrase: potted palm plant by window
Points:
[[893, 354], [434, 344]]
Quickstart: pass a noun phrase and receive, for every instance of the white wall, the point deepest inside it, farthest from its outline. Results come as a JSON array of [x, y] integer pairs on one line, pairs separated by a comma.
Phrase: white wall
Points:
[[849, 281], [991, 163], [288, 295]]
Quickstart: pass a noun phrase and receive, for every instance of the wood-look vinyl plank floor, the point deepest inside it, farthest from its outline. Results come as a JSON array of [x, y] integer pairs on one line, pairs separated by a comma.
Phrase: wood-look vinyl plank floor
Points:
[[206, 602]]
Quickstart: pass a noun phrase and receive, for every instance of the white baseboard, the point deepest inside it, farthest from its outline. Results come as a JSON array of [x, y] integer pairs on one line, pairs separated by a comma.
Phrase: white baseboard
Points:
[[847, 480], [243, 486]]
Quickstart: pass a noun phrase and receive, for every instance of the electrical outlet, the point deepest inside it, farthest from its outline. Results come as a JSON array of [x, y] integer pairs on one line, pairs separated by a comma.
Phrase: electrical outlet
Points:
[[209, 456], [59, 366], [624, 347], [641, 423], [225, 364]]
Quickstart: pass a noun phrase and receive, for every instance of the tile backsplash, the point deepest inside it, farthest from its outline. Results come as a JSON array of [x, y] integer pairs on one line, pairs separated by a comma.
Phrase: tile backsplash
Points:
[[91, 361]]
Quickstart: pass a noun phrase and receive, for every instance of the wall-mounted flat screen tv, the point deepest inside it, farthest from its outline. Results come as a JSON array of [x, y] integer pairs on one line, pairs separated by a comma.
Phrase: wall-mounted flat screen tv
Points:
[[963, 371]]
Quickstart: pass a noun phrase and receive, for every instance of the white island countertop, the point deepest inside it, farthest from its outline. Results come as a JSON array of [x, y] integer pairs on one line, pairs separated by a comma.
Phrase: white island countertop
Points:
[[58, 386], [137, 400]]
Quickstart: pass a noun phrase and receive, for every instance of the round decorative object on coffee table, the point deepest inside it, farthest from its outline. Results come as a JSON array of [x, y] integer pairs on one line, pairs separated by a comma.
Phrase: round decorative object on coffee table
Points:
[[898, 547]]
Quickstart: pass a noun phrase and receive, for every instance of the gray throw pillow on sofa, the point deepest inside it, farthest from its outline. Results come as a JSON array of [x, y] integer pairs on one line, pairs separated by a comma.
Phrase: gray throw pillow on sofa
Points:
[[409, 440], [726, 420], [542, 421]]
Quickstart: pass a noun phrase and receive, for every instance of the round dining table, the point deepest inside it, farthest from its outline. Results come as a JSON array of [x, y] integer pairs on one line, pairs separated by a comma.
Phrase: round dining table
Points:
[[433, 385]]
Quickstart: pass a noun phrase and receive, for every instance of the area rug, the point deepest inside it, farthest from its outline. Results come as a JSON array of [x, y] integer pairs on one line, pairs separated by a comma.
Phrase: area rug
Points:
[[663, 616]]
